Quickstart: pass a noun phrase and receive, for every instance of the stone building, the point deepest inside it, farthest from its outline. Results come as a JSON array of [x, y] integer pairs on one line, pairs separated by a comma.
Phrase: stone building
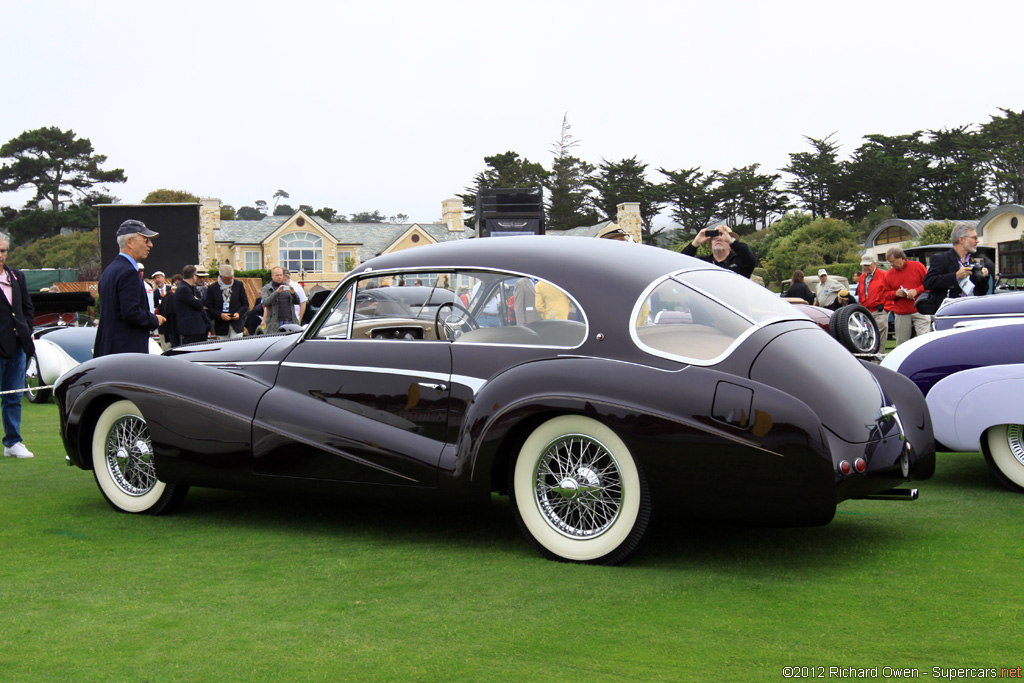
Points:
[[315, 250]]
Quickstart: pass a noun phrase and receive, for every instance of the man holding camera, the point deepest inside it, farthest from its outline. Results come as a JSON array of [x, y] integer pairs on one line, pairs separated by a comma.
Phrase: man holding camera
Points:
[[726, 250], [279, 301], [956, 273]]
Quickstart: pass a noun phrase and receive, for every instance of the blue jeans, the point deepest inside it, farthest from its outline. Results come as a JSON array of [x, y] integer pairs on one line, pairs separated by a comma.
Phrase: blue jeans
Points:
[[12, 376]]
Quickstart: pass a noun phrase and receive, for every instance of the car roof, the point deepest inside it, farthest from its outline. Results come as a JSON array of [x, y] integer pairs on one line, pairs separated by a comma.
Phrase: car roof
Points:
[[575, 263]]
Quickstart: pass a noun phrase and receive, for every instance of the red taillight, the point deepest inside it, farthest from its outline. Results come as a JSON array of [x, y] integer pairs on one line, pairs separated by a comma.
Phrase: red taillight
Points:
[[860, 464], [845, 468]]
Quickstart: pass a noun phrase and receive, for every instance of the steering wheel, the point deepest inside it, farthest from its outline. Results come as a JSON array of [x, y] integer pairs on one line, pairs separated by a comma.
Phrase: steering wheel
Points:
[[455, 322]]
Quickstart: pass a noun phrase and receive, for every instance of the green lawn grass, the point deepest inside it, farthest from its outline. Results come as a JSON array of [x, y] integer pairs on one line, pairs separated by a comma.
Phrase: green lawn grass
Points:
[[238, 586]]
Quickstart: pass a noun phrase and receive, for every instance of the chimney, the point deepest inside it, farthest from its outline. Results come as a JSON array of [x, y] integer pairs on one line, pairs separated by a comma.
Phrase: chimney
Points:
[[627, 217], [452, 212], [209, 220]]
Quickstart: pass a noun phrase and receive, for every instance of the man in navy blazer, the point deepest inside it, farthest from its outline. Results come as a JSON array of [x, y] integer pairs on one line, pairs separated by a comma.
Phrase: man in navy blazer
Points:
[[125, 318], [15, 346]]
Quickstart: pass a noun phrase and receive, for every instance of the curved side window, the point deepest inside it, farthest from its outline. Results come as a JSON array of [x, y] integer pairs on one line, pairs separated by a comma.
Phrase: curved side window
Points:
[[678, 321], [698, 316], [464, 306]]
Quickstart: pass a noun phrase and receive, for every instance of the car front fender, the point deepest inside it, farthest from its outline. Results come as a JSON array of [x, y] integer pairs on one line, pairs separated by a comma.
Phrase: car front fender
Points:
[[199, 417]]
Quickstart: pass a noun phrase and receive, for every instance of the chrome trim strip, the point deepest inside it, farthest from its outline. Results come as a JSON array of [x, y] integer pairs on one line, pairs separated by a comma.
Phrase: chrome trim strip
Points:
[[235, 363], [473, 383], [334, 451]]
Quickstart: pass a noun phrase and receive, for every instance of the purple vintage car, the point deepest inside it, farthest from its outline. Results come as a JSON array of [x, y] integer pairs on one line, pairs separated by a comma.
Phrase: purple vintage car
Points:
[[974, 309], [972, 377]]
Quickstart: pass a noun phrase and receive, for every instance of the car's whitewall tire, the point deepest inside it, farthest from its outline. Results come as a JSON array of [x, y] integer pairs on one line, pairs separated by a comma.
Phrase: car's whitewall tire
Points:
[[122, 462], [578, 493], [1004, 452]]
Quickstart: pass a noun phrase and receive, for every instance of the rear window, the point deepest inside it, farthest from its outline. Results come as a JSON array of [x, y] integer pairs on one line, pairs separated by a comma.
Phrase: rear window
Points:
[[699, 316]]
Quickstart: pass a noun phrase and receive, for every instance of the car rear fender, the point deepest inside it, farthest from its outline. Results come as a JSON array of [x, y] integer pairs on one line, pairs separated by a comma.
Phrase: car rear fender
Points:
[[653, 410], [917, 422]]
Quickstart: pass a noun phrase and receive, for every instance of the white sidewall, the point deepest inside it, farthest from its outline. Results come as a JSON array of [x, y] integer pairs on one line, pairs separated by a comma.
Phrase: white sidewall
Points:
[[115, 495], [1002, 456], [526, 502]]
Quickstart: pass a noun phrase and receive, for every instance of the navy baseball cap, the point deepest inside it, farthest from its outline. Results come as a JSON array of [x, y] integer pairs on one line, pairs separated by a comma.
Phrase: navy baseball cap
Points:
[[132, 226]]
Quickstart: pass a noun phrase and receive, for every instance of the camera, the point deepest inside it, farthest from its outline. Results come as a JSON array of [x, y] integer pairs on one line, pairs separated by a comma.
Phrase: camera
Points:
[[713, 232]]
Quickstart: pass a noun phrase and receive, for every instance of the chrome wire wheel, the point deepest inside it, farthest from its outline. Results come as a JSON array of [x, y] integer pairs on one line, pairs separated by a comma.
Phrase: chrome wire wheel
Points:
[[123, 465], [578, 486], [577, 492], [129, 456]]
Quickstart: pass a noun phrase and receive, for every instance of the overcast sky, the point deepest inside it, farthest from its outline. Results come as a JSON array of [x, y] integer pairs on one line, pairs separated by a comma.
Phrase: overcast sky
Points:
[[392, 105]]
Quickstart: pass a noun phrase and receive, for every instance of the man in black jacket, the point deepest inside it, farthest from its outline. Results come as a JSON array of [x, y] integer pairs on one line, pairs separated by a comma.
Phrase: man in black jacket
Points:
[[188, 308], [726, 250], [227, 304], [15, 346], [953, 274]]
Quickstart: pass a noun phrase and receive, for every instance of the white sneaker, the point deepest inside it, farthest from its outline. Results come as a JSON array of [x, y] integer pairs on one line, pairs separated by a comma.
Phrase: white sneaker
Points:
[[18, 450]]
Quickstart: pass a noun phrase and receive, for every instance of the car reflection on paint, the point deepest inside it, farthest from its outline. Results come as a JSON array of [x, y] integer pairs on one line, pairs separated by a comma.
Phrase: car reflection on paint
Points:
[[594, 382]]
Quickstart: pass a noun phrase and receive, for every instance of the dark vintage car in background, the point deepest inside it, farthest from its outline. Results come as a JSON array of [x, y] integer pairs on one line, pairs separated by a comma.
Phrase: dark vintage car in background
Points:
[[64, 336], [660, 384], [60, 318]]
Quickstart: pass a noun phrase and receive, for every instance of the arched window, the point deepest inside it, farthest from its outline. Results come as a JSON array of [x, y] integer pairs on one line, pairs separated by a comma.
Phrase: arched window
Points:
[[302, 251], [893, 233]]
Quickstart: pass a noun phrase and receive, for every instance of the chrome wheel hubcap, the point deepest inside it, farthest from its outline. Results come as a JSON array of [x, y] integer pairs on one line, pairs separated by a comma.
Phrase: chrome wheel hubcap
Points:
[[1015, 440], [578, 487], [129, 456], [862, 333]]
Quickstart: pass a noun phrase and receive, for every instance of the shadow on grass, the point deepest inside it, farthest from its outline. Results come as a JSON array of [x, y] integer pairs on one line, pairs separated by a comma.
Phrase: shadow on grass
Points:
[[861, 529], [428, 526]]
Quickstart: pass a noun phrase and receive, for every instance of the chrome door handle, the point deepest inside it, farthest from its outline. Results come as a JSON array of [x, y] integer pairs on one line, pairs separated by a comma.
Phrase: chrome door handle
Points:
[[437, 387]]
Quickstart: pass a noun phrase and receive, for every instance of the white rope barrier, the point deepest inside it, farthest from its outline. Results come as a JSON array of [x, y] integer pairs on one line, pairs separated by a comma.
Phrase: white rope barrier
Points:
[[18, 391]]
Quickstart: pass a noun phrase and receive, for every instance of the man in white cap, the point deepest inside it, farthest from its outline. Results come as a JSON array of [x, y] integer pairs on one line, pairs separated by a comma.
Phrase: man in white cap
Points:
[[125, 318], [827, 292], [161, 287]]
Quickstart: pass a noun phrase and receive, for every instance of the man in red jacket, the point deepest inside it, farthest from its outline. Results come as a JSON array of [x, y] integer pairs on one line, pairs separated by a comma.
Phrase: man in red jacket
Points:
[[903, 284], [869, 293]]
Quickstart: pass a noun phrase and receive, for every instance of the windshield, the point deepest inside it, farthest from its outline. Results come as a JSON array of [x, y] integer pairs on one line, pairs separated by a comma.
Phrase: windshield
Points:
[[698, 316]]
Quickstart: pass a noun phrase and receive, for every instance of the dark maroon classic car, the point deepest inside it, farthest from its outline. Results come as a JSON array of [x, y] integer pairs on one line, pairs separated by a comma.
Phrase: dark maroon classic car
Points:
[[594, 382]]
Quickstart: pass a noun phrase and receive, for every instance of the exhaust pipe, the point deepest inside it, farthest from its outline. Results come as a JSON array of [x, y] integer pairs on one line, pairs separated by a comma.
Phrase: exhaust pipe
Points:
[[894, 494]]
